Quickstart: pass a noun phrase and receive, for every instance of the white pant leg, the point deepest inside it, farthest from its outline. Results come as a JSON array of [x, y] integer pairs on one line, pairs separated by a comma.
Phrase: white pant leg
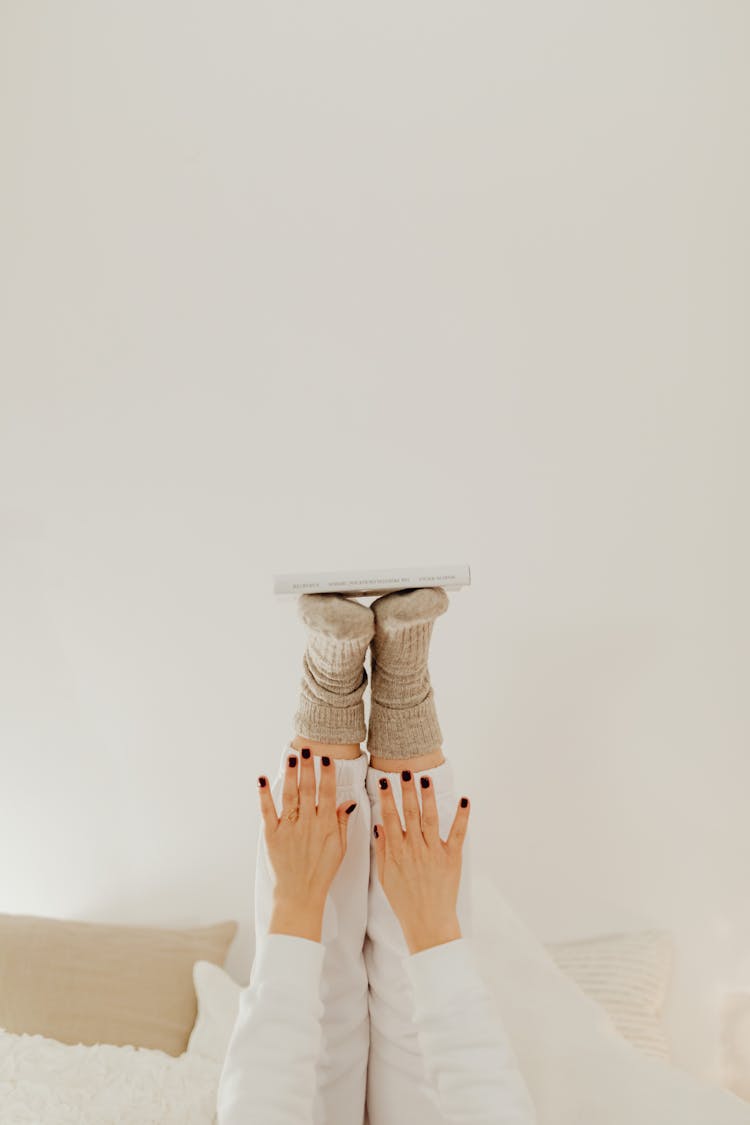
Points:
[[398, 1091], [342, 1069]]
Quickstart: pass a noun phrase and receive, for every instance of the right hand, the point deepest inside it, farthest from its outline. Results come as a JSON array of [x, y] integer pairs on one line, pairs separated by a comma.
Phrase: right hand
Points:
[[420, 873]]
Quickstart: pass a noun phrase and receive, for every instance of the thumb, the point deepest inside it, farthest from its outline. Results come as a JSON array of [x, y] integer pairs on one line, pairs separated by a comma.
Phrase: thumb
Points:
[[343, 813]]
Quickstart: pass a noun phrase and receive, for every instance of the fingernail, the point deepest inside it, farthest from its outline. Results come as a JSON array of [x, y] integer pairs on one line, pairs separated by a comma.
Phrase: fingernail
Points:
[[351, 808], [292, 760], [375, 830], [306, 753], [406, 775], [262, 782], [383, 783], [424, 782], [326, 760], [464, 802]]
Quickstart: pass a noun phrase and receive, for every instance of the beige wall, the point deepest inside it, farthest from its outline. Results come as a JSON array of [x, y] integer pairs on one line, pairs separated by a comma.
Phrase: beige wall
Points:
[[312, 286]]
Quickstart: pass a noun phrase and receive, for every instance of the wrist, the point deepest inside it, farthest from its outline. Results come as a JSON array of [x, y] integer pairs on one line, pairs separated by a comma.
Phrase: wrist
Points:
[[290, 916], [427, 935]]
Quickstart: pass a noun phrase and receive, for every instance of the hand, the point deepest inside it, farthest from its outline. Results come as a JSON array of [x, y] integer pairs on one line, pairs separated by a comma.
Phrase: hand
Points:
[[306, 852], [420, 873]]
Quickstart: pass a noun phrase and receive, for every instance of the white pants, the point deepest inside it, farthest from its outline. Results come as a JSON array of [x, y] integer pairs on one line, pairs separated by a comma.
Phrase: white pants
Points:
[[370, 1059]]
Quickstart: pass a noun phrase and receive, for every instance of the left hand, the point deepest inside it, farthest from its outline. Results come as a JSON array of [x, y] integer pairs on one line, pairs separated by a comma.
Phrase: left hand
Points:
[[305, 852]]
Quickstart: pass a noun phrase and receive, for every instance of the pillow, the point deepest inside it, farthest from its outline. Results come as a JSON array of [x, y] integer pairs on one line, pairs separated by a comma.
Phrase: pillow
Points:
[[50, 1083], [218, 999], [628, 975], [91, 982]]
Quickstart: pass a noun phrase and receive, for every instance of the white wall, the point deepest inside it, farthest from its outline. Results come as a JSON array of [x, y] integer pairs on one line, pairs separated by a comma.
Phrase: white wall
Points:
[[290, 287]]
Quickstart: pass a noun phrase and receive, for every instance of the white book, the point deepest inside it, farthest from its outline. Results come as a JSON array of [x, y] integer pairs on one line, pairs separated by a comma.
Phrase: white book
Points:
[[362, 583]]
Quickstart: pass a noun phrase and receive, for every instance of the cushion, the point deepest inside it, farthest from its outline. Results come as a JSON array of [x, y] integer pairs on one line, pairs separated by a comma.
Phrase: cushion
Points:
[[92, 982], [49, 1083], [628, 974]]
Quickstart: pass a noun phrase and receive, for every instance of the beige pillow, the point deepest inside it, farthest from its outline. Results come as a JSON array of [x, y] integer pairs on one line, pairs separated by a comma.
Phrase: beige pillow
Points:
[[92, 982], [628, 974]]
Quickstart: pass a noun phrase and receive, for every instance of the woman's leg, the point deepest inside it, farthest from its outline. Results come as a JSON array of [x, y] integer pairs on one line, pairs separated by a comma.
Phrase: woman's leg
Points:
[[398, 1091], [404, 733], [329, 719], [342, 1068]]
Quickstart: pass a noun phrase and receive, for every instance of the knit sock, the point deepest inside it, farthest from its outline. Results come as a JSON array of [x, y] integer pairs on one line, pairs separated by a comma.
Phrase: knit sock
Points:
[[331, 708], [403, 719]]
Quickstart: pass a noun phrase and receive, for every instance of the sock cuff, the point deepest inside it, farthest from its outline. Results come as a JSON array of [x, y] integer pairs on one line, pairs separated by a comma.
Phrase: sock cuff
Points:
[[405, 733], [323, 722]]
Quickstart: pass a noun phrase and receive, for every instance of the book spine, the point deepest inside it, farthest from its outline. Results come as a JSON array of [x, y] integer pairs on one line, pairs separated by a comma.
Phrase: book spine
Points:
[[362, 582]]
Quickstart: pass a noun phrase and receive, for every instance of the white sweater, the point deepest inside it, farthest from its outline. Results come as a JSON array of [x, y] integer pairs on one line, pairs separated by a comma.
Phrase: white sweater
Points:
[[278, 1032]]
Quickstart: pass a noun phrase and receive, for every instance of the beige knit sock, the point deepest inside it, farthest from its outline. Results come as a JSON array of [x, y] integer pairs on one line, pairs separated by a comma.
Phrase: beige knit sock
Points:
[[339, 629], [403, 718]]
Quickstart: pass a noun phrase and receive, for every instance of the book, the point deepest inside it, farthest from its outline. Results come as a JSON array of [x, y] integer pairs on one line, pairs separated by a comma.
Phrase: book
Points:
[[362, 583]]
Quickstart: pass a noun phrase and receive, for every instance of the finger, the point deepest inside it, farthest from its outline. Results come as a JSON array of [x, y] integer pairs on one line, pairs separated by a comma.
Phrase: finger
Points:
[[306, 783], [457, 834], [267, 806], [389, 817], [343, 815], [378, 837], [410, 805], [290, 790], [327, 787], [430, 818]]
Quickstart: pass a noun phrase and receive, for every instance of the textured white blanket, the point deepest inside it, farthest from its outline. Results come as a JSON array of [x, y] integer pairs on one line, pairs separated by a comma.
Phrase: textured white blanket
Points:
[[43, 1082]]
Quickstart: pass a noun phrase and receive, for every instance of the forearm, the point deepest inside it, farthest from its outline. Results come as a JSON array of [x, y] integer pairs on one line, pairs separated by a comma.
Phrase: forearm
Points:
[[466, 1050], [269, 1071]]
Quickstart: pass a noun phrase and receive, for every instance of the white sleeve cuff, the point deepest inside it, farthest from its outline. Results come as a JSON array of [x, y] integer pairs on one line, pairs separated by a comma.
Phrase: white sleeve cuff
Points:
[[292, 963], [442, 975]]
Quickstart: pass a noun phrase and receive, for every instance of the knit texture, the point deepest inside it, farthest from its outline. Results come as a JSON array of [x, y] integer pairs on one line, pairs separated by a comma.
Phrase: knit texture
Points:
[[403, 718], [330, 706]]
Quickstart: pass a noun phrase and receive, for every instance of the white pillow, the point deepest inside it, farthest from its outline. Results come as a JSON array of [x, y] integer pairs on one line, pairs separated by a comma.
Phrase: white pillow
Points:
[[218, 997], [628, 974], [51, 1083]]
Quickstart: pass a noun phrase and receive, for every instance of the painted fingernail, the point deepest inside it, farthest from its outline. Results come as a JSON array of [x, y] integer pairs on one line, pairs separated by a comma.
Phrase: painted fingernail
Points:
[[351, 808], [375, 830], [406, 775], [424, 782], [383, 783], [326, 760], [262, 782], [306, 753], [292, 760], [464, 802]]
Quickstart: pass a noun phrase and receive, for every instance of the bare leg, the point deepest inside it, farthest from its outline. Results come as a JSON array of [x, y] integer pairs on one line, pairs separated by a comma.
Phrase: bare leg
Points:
[[332, 749], [396, 765]]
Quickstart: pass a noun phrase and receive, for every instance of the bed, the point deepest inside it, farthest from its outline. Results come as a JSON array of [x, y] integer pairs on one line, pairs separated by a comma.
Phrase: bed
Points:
[[103, 1024]]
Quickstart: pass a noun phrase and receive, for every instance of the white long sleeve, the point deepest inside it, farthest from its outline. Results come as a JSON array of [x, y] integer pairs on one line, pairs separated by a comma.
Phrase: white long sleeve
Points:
[[269, 1072], [467, 1054]]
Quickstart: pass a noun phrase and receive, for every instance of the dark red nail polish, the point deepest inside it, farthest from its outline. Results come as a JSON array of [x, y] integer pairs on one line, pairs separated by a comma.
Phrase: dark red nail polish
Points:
[[306, 753], [375, 830], [351, 808], [424, 782], [326, 760], [383, 783], [262, 782], [406, 775], [292, 760], [464, 802]]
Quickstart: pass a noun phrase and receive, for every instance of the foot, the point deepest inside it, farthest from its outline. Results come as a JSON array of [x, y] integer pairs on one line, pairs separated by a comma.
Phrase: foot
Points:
[[408, 607], [337, 616]]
